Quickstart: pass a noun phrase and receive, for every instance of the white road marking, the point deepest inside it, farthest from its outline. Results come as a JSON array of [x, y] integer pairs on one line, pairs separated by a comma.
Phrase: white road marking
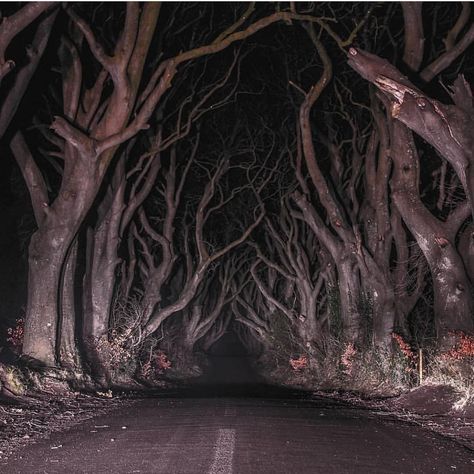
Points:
[[224, 454]]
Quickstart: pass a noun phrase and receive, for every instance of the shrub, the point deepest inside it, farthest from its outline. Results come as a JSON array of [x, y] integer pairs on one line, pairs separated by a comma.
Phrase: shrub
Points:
[[382, 369], [347, 358], [464, 348], [124, 351], [157, 364], [403, 347], [456, 369], [116, 353], [300, 363], [345, 366], [12, 380]]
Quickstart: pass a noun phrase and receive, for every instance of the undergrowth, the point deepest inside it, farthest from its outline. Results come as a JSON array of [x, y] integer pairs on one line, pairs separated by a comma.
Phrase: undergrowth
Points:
[[455, 368], [372, 370]]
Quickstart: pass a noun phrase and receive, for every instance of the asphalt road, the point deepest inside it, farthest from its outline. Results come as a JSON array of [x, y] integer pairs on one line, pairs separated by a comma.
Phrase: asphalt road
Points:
[[266, 431], [242, 428]]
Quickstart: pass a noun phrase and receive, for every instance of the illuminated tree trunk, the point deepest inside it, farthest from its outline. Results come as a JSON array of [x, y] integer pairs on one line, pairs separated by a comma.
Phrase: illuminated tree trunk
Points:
[[47, 254], [453, 303], [68, 353]]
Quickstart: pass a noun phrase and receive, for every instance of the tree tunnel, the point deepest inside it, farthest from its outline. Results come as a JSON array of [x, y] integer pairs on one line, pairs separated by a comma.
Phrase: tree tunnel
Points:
[[230, 363]]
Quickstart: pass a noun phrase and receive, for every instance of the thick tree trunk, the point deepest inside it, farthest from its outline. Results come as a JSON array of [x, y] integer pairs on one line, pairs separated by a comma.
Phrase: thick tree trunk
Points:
[[101, 278], [46, 256], [453, 303], [191, 321], [349, 292], [68, 345], [157, 275], [384, 317], [47, 253], [348, 275], [308, 326], [152, 292], [102, 284], [378, 324], [376, 286], [92, 329], [86, 159]]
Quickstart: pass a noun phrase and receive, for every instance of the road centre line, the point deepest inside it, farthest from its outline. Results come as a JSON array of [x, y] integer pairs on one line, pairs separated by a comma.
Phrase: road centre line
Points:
[[224, 452]]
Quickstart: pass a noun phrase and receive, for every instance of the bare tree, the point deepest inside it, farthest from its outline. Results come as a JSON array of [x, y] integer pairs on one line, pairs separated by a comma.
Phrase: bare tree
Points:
[[202, 316], [295, 280], [441, 126], [100, 113], [196, 272]]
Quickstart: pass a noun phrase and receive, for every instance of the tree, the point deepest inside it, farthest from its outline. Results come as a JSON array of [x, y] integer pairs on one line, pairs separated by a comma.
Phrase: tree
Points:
[[104, 106], [408, 105]]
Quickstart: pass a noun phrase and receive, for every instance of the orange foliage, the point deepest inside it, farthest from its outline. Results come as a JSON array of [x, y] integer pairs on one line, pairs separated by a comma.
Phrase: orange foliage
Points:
[[157, 365], [16, 334], [347, 358], [299, 364], [403, 346], [464, 347]]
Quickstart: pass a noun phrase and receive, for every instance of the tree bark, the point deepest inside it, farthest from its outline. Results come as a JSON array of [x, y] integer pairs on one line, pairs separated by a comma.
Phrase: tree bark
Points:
[[103, 265], [68, 351], [47, 253], [453, 303]]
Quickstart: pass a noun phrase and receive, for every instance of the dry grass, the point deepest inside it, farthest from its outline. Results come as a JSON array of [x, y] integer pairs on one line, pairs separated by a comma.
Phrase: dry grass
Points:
[[343, 366], [374, 371], [456, 373], [455, 368]]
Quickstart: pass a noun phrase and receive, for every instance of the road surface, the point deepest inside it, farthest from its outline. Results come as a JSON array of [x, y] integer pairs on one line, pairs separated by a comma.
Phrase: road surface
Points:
[[242, 430], [231, 423]]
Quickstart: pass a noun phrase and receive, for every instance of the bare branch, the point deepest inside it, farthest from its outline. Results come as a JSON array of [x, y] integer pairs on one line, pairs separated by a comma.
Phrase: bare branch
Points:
[[146, 29], [448, 57], [266, 293], [13, 25], [85, 145], [414, 38], [461, 22], [106, 61], [9, 105], [32, 175], [72, 78], [237, 24], [126, 42], [245, 235]]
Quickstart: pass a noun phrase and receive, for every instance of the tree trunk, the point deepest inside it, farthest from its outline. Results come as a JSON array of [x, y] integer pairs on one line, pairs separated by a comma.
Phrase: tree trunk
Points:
[[349, 292], [384, 316], [466, 250], [309, 329], [46, 256], [453, 303], [103, 265], [47, 253], [68, 348]]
